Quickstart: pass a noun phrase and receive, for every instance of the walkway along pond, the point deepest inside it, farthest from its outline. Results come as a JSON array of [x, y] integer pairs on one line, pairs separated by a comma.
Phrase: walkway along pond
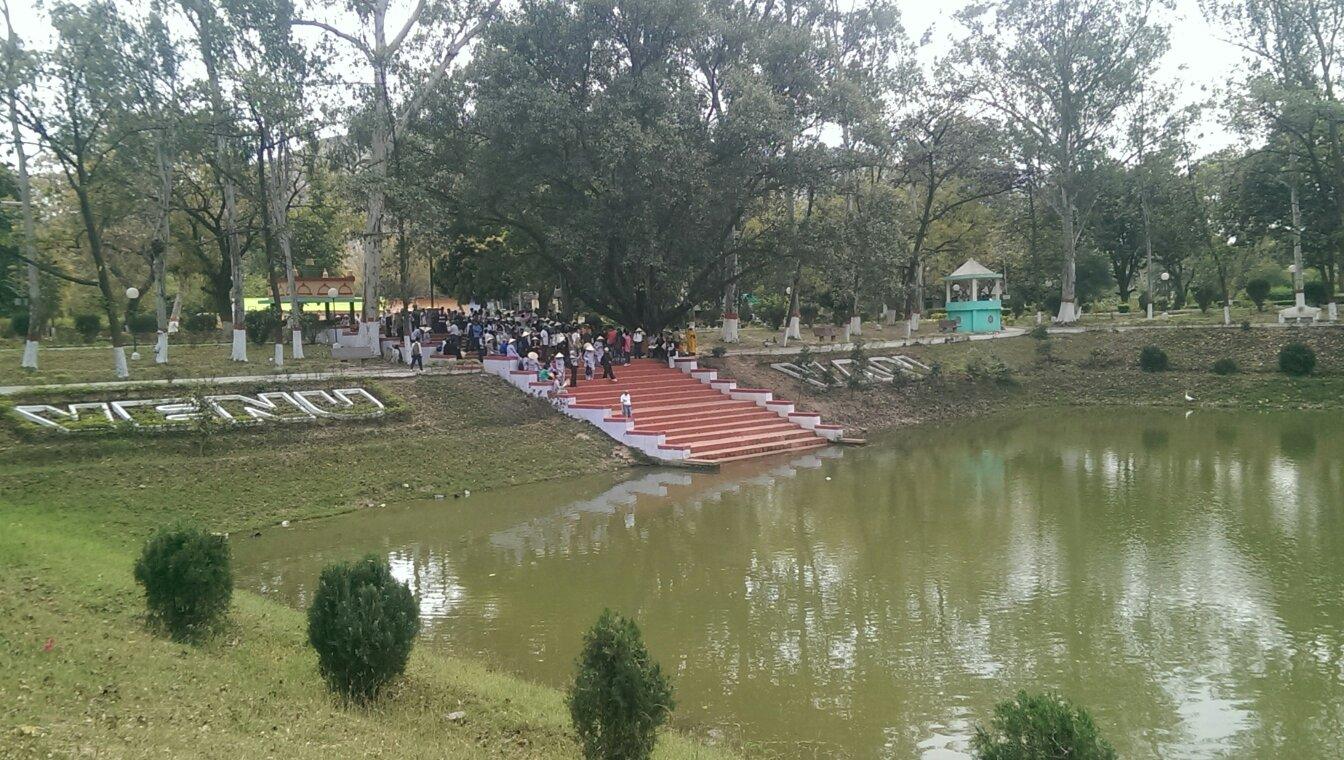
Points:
[[1181, 576]]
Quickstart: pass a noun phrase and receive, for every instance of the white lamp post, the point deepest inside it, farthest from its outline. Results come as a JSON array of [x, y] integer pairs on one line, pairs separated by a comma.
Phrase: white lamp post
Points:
[[133, 293]]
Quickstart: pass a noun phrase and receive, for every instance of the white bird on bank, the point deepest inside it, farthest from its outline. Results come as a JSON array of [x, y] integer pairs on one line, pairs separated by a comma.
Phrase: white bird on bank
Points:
[[1188, 397]]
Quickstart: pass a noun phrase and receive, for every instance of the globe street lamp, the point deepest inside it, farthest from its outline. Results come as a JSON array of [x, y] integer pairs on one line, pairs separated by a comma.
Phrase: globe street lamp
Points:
[[132, 293], [331, 295]]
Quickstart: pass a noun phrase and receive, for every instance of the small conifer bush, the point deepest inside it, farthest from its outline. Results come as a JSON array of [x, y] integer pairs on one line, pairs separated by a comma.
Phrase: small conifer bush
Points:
[[187, 578], [1153, 359], [1225, 366], [1040, 727], [620, 696], [362, 623], [1297, 360]]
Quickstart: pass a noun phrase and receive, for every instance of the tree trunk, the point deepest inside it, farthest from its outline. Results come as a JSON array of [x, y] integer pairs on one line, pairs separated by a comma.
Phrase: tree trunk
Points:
[[404, 285], [793, 326], [1068, 309], [159, 252], [380, 145], [916, 307], [730, 318], [224, 178], [1148, 247], [279, 211], [28, 244], [94, 234], [269, 244]]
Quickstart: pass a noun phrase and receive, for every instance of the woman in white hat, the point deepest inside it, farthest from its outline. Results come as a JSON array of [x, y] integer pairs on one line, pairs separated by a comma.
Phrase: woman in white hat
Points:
[[589, 361]]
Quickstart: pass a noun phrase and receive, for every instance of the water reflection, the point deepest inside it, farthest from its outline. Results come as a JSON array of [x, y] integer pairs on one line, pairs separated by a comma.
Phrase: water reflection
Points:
[[1180, 575]]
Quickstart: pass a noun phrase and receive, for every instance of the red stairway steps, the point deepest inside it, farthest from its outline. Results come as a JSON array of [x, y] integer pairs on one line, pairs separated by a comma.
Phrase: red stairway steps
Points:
[[693, 416]]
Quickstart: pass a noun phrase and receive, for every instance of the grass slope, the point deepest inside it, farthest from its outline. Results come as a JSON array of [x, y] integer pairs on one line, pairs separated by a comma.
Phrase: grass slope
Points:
[[1085, 369], [74, 512]]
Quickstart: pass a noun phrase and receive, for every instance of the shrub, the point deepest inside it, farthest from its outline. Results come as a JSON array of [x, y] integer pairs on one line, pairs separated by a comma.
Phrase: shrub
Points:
[[1052, 303], [362, 623], [718, 352], [992, 368], [202, 322], [1205, 295], [745, 312], [261, 326], [1097, 358], [1258, 290], [1039, 332], [1122, 309], [620, 696], [1037, 727], [141, 324], [18, 324], [1225, 366], [1153, 359], [88, 326], [1245, 324], [772, 310], [187, 579], [1297, 360], [858, 367], [1316, 293], [805, 357]]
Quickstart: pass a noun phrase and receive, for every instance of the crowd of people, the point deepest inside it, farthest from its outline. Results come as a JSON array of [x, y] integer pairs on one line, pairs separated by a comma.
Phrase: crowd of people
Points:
[[559, 351]]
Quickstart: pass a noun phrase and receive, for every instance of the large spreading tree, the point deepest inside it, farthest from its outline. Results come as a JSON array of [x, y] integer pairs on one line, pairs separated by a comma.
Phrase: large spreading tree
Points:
[[628, 142]]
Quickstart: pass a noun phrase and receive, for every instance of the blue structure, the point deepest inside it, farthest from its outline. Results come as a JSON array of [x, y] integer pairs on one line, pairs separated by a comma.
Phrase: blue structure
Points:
[[975, 298]]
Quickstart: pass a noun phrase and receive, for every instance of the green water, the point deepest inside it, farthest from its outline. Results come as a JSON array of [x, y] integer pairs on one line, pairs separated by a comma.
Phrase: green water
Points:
[[1181, 576]]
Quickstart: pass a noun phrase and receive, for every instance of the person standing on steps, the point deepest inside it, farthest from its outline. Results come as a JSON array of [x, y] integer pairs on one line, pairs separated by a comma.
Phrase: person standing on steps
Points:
[[589, 361], [627, 407], [572, 367], [608, 372], [416, 359], [558, 365], [638, 340]]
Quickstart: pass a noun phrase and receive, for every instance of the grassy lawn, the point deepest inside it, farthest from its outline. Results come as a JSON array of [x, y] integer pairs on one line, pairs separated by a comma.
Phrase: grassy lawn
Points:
[[73, 514], [94, 364]]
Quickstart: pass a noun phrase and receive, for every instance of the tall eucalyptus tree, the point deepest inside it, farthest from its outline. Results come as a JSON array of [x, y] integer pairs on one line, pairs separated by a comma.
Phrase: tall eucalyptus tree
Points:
[[83, 121], [436, 31], [1060, 71], [18, 67]]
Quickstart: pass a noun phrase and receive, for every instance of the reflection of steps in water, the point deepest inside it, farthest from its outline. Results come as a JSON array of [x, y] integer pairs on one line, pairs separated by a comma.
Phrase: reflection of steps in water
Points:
[[557, 528], [531, 536]]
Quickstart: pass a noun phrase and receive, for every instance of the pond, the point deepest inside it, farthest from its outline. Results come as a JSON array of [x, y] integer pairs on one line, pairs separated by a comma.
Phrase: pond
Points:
[[1182, 576]]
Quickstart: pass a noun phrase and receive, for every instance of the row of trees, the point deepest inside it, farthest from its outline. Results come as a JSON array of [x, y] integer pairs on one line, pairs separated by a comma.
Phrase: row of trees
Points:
[[645, 158], [651, 158]]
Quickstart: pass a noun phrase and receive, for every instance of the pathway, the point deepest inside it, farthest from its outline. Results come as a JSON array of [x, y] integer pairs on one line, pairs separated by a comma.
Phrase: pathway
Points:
[[292, 377]]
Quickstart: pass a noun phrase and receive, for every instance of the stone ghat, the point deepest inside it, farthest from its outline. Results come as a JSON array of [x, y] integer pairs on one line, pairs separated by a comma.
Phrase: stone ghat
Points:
[[683, 413]]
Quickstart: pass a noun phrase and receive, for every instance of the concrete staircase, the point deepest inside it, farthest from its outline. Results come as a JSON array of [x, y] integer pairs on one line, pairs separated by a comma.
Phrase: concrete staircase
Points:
[[683, 413]]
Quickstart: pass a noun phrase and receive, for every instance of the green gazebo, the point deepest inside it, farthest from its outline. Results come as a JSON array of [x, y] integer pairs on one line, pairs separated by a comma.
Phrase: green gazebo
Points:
[[975, 298]]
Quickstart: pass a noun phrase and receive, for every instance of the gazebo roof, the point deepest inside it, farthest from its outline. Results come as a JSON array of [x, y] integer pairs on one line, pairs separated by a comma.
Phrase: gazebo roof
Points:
[[973, 270]]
